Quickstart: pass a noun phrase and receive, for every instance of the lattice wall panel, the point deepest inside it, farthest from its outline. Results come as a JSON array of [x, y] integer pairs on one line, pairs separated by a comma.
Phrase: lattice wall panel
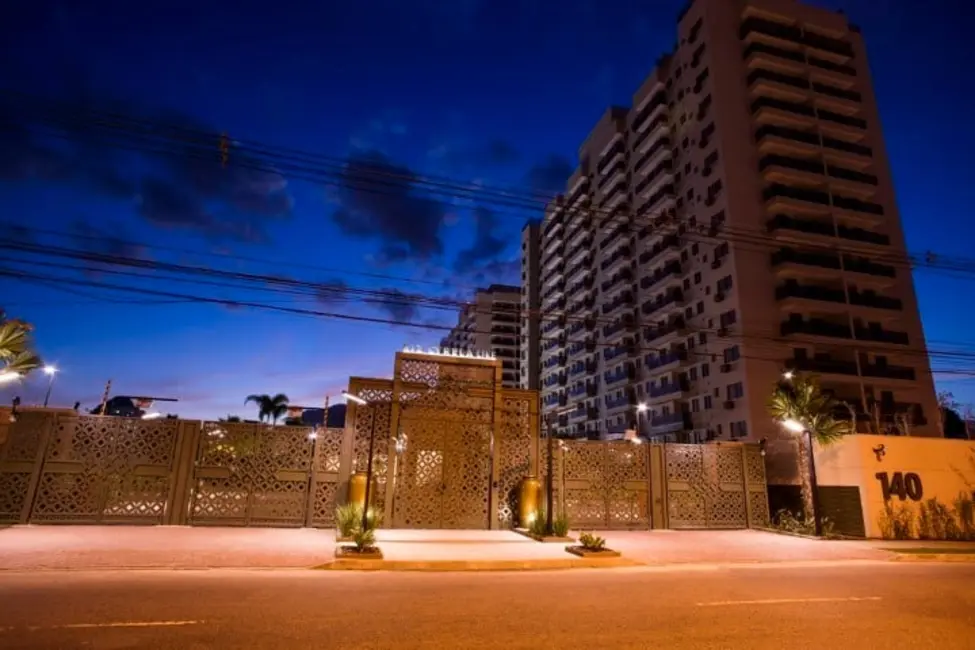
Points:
[[252, 474], [420, 477], [467, 477], [757, 487], [606, 484], [104, 469], [514, 455], [706, 486], [20, 454], [327, 466], [378, 410]]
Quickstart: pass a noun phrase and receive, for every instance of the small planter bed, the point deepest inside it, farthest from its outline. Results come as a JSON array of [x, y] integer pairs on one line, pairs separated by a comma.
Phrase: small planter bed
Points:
[[544, 538], [353, 553], [582, 551]]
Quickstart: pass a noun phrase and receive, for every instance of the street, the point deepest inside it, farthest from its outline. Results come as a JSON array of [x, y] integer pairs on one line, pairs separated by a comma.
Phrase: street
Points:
[[836, 605]]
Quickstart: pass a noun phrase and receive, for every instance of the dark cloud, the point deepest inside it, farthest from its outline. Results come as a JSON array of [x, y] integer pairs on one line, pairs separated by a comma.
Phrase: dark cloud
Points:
[[487, 244], [499, 272], [184, 189], [400, 306], [381, 200], [331, 292], [550, 176], [110, 239]]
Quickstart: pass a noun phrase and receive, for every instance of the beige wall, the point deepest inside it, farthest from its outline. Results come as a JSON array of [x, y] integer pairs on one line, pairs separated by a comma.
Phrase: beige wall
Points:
[[946, 469]]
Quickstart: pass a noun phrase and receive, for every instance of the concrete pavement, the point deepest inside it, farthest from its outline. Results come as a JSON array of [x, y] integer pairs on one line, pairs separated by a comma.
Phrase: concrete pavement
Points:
[[874, 605], [34, 548]]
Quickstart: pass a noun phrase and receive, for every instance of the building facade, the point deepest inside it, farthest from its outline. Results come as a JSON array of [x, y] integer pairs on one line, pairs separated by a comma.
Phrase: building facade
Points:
[[490, 323], [738, 220], [529, 344]]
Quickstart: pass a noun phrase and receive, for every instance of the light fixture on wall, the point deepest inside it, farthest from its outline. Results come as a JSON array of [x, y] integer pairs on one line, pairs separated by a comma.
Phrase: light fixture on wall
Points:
[[879, 451]]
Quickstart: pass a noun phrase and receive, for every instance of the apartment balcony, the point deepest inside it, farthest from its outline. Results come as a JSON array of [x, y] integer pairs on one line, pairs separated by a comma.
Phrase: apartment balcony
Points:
[[789, 87], [579, 252], [622, 374], [659, 176], [657, 308], [792, 295], [790, 200], [759, 55], [659, 202], [665, 361], [622, 301], [850, 154], [872, 300], [889, 372], [757, 29], [876, 334], [616, 352], [666, 392], [663, 251], [824, 366], [554, 361], [625, 401], [831, 96], [619, 278], [661, 335], [793, 263], [578, 414], [613, 155], [654, 154], [769, 111], [782, 224], [648, 116], [578, 193], [869, 273], [554, 223], [670, 423], [816, 327], [786, 140], [615, 330], [856, 211], [663, 277]]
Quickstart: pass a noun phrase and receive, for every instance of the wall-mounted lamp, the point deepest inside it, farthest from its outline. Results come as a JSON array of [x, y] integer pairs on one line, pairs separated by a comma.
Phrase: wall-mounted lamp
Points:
[[762, 445], [879, 451]]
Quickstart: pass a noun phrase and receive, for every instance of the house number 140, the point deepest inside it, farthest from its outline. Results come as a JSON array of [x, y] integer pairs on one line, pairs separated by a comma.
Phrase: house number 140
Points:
[[904, 486]]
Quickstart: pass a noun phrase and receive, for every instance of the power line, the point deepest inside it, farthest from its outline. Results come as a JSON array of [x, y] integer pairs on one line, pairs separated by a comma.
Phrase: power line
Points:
[[202, 146]]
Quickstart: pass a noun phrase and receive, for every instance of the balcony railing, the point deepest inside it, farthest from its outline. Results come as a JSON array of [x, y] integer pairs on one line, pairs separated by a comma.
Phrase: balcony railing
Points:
[[816, 327]]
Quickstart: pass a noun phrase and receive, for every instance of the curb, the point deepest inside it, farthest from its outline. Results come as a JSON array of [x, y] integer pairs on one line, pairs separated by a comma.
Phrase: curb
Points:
[[960, 558], [486, 565]]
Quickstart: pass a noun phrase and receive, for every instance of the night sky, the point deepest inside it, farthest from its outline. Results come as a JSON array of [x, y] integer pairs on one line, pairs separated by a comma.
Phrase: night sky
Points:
[[497, 93]]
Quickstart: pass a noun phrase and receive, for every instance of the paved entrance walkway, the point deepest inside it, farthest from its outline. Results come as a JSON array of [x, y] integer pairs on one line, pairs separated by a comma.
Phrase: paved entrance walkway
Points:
[[135, 547]]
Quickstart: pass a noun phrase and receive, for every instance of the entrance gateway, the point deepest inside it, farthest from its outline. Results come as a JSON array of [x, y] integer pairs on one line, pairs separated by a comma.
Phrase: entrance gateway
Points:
[[453, 445]]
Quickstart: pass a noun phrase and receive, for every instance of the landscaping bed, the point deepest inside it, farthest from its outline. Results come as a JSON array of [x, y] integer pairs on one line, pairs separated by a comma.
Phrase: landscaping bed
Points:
[[582, 551], [354, 553]]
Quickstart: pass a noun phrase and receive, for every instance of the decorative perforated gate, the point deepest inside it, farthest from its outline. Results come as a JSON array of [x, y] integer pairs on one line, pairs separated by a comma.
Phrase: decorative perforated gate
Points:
[[715, 486], [79, 469], [604, 484], [261, 475]]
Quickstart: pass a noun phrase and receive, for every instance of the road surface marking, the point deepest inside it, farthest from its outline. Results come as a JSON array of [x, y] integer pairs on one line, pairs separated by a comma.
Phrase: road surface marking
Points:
[[787, 601], [88, 626]]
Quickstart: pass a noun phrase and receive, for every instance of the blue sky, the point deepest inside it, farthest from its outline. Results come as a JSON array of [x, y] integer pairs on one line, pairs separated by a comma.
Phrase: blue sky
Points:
[[499, 93]]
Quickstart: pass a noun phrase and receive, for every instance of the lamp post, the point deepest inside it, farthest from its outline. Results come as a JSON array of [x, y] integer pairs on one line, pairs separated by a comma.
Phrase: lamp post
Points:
[[372, 441], [51, 372], [796, 426]]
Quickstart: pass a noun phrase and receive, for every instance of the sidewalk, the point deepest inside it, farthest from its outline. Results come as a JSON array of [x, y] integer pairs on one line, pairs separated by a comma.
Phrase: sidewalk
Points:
[[33, 548]]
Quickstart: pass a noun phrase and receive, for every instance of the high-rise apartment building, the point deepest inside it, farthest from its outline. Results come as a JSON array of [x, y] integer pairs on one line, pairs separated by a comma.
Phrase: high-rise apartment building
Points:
[[490, 323], [529, 348], [738, 220]]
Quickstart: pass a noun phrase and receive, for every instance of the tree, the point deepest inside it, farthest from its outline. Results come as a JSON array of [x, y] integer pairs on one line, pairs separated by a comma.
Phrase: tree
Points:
[[800, 400], [269, 408], [16, 347]]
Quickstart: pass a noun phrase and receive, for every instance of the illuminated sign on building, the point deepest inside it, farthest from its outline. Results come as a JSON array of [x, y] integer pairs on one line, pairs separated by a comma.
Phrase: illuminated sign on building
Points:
[[459, 353]]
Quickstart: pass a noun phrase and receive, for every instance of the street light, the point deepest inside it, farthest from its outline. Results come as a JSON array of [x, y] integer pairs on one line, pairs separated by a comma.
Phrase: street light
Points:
[[51, 372], [372, 441], [795, 426]]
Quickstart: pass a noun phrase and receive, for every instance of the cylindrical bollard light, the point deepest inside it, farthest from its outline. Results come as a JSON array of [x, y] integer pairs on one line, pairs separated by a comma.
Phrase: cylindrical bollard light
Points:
[[528, 500]]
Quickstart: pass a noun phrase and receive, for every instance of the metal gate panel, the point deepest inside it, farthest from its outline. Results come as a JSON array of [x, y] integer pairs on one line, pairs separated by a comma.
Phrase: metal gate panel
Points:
[[605, 484], [515, 451], [327, 467], [251, 475], [106, 470], [706, 486], [21, 457], [418, 497]]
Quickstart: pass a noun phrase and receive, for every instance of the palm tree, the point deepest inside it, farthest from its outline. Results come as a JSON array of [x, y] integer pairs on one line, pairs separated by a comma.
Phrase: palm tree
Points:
[[269, 408], [799, 402], [16, 349]]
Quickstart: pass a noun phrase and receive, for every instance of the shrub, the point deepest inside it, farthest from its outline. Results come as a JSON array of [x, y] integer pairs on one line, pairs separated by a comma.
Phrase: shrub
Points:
[[591, 542], [538, 525], [560, 526], [348, 517], [374, 518], [364, 540], [896, 523]]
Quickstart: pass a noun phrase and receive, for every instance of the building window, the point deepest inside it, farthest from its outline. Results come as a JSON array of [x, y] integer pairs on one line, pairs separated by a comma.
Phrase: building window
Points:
[[695, 405], [739, 429], [724, 284], [705, 370], [702, 338], [732, 354], [700, 307], [697, 278], [692, 373], [730, 317], [707, 402], [735, 390]]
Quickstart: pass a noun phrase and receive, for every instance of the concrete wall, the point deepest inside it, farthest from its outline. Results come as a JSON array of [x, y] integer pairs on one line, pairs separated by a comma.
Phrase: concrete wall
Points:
[[945, 468]]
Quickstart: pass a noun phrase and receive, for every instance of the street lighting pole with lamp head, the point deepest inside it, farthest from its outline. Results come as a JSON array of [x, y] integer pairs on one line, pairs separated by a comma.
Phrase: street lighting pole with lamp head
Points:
[[795, 426], [372, 441], [51, 372]]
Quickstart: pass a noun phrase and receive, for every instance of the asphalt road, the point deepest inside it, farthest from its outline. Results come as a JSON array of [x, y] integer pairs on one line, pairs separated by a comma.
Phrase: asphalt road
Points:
[[852, 606]]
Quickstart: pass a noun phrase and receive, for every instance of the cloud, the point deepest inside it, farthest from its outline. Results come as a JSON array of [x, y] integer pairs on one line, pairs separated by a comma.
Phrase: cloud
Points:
[[331, 292], [495, 153], [487, 244], [110, 240], [550, 176], [381, 200], [182, 190], [399, 305], [499, 272]]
